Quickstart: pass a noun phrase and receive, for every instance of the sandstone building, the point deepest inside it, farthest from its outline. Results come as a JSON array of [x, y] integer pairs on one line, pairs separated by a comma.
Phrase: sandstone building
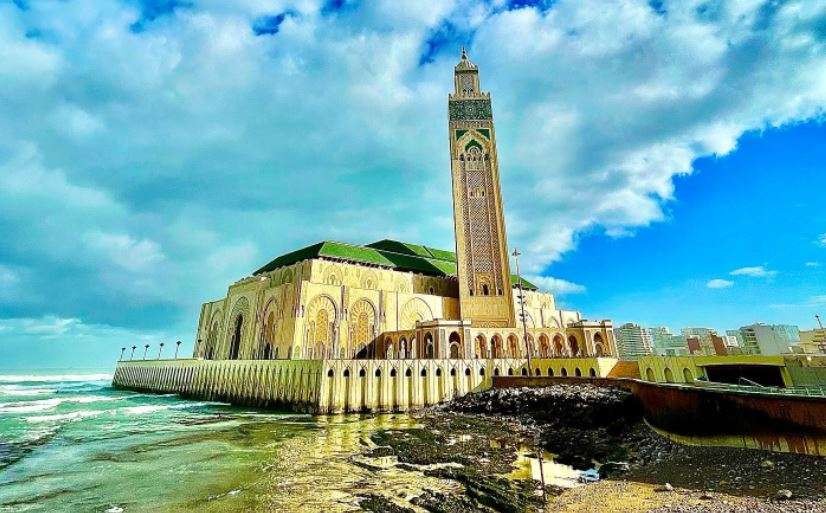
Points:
[[395, 300]]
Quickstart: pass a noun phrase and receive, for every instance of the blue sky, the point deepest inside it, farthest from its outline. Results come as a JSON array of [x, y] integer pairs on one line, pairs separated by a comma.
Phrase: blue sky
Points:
[[661, 161]]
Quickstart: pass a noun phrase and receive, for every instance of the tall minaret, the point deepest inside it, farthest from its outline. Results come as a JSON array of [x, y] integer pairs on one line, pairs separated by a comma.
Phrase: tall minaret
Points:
[[485, 296]]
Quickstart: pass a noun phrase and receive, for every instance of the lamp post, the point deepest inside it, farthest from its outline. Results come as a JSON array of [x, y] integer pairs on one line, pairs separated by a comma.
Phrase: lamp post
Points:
[[516, 254], [122, 350], [160, 349], [132, 355], [177, 346], [145, 349]]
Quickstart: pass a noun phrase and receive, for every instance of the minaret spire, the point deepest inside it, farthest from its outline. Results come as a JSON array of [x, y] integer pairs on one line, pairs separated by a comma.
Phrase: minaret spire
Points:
[[485, 295]]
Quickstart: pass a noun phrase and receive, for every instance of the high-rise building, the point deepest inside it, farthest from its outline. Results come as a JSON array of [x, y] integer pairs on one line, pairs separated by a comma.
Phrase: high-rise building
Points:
[[665, 343], [769, 339], [813, 341], [700, 339], [633, 341]]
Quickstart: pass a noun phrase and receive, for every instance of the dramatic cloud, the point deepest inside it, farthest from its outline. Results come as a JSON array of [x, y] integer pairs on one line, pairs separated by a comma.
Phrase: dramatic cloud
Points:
[[153, 152], [757, 271], [719, 283], [556, 285]]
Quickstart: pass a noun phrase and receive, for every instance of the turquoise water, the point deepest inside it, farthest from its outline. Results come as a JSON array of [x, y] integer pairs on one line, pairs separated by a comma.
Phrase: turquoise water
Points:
[[72, 443]]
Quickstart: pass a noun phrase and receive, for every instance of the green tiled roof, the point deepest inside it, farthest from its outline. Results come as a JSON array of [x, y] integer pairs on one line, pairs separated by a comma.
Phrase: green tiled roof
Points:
[[392, 254]]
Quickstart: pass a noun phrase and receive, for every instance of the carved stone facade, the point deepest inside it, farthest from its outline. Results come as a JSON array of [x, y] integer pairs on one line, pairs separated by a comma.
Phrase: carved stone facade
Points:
[[481, 249]]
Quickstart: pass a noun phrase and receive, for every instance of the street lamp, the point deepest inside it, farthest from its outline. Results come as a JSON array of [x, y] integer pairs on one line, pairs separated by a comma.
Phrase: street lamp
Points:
[[160, 348], [177, 346], [516, 254], [132, 355], [145, 349], [122, 350]]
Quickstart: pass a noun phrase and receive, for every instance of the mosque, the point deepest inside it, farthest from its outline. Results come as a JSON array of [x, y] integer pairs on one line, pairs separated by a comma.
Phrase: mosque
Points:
[[388, 326], [391, 299]]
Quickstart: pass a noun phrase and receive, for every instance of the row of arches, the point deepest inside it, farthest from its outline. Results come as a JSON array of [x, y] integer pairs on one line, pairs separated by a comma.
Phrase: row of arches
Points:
[[400, 346], [523, 371], [668, 375]]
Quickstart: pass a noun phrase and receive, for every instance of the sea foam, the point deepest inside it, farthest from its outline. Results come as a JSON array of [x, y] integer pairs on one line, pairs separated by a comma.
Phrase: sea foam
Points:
[[21, 378]]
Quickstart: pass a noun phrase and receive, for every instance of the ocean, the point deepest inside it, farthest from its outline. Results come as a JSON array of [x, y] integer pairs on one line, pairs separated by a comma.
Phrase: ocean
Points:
[[72, 443]]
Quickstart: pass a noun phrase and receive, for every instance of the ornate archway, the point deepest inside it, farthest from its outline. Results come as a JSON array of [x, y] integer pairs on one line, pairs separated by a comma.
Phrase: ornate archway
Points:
[[414, 311], [559, 345], [573, 345], [269, 327], [481, 346], [513, 346], [455, 345], [599, 347], [237, 327], [544, 346], [321, 316], [362, 325], [496, 346]]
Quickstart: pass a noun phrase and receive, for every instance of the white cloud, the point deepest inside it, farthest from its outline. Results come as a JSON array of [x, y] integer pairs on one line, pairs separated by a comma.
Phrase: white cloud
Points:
[[812, 265], [556, 286], [125, 251], [821, 240], [719, 283], [757, 271]]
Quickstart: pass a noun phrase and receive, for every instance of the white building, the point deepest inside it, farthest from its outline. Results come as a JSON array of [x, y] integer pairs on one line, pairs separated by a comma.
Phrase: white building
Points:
[[813, 341], [769, 339], [633, 341]]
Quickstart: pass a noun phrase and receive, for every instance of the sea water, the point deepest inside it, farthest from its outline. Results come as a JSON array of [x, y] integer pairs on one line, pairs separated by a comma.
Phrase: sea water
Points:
[[73, 443]]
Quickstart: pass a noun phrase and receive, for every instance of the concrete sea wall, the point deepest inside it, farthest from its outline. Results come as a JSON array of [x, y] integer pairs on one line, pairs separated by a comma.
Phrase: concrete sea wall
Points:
[[332, 386]]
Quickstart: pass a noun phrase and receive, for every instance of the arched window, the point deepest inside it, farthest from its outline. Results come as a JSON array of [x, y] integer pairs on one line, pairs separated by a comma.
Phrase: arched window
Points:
[[669, 376], [649, 374], [688, 376]]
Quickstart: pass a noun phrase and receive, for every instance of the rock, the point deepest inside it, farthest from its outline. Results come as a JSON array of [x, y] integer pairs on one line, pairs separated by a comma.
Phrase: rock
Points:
[[612, 467], [706, 496], [665, 488], [767, 464], [783, 495]]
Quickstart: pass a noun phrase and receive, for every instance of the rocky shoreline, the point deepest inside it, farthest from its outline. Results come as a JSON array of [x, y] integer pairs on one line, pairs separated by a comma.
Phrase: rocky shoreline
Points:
[[474, 442]]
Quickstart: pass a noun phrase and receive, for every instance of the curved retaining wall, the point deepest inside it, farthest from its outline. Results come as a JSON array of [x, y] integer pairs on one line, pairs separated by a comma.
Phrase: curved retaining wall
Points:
[[332, 386]]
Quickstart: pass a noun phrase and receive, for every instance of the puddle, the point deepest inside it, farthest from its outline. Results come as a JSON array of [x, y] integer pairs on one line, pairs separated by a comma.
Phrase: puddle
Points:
[[527, 466]]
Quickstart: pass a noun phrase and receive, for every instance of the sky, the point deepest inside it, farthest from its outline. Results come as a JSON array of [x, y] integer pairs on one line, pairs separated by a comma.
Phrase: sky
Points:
[[661, 162]]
